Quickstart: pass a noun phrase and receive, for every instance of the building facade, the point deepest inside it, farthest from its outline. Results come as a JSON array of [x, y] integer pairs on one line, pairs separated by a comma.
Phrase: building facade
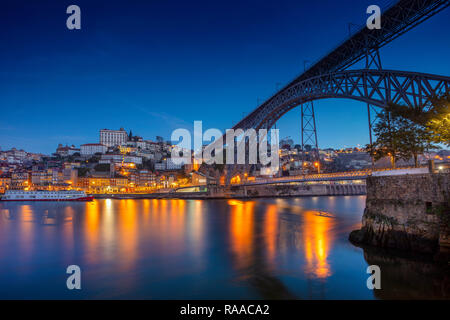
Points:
[[112, 138], [5, 183], [67, 150], [90, 149], [120, 158]]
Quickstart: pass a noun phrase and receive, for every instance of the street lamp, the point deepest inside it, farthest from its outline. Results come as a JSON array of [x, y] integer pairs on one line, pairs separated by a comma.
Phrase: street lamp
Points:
[[317, 165]]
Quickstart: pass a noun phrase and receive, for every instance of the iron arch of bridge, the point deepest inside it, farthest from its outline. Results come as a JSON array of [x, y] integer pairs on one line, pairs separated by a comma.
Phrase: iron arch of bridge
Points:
[[376, 87]]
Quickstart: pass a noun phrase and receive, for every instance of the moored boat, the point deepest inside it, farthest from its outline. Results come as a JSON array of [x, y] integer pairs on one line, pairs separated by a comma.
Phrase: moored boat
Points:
[[67, 195]]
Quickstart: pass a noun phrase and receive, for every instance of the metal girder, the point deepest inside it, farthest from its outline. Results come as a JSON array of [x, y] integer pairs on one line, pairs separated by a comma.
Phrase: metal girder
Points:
[[373, 59], [309, 130], [375, 87], [395, 21]]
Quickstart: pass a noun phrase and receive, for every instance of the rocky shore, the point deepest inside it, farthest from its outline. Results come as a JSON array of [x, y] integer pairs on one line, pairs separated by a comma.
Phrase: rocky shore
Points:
[[408, 212]]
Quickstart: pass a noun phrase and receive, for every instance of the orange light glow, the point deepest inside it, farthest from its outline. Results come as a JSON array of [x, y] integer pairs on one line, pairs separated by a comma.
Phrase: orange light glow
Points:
[[241, 231], [271, 232], [235, 180], [317, 243]]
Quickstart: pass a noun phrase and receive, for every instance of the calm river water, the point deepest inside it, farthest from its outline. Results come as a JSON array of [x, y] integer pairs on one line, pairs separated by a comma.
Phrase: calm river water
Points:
[[290, 248]]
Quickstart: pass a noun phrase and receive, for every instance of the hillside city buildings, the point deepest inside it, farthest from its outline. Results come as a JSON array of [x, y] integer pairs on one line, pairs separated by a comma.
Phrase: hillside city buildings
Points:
[[122, 162]]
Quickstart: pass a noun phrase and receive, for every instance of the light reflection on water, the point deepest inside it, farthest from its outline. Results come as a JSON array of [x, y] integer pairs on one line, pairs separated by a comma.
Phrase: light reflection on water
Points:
[[160, 249], [317, 239]]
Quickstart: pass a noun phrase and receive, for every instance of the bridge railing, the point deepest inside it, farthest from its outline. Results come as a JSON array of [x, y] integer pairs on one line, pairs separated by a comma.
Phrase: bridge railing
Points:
[[323, 176]]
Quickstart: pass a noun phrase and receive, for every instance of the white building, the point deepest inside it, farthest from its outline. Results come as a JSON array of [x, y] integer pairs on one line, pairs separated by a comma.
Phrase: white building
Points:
[[117, 158], [168, 164], [92, 148], [160, 166], [112, 138], [152, 146]]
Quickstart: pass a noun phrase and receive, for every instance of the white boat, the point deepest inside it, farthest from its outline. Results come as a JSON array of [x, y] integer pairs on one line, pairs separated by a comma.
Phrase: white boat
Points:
[[21, 195]]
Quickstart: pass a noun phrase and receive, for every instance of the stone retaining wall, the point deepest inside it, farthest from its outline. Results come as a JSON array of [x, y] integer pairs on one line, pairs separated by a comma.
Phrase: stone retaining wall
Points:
[[409, 212]]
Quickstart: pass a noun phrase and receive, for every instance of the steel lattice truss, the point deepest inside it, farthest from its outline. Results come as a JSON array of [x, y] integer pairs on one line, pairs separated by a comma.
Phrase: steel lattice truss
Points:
[[309, 135], [395, 21], [376, 87]]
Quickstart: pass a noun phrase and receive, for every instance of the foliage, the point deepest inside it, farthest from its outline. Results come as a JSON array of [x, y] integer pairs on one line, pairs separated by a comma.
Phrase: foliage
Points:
[[82, 172], [416, 140], [434, 118], [439, 129], [399, 138], [388, 137], [93, 159]]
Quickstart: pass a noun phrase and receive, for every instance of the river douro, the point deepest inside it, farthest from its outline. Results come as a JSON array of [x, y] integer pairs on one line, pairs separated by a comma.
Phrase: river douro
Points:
[[286, 248]]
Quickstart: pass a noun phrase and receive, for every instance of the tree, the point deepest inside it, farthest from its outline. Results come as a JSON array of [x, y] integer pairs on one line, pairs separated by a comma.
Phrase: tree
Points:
[[434, 117], [439, 129], [416, 140], [387, 143], [83, 172], [399, 138]]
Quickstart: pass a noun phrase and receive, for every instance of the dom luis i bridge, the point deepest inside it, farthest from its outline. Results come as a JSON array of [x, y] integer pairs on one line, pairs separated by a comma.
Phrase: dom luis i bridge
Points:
[[335, 76]]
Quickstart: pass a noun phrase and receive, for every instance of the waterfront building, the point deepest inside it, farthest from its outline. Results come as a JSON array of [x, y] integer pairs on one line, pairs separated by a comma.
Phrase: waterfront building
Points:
[[19, 180], [90, 149], [38, 177], [198, 178], [100, 184], [112, 138], [5, 183], [146, 178], [70, 176], [53, 177]]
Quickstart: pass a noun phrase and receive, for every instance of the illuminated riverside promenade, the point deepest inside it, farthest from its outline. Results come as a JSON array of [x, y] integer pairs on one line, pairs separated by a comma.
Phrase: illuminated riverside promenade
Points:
[[338, 183]]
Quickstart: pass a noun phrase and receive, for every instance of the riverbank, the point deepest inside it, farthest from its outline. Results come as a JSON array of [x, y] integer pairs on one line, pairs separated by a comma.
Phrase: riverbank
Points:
[[409, 212], [251, 191]]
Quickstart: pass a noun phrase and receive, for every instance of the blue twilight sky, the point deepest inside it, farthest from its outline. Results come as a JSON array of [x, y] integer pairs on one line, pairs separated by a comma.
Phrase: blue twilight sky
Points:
[[157, 65]]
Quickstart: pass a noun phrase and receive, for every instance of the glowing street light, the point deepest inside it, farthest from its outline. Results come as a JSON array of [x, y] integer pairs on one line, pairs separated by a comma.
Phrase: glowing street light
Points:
[[317, 165]]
